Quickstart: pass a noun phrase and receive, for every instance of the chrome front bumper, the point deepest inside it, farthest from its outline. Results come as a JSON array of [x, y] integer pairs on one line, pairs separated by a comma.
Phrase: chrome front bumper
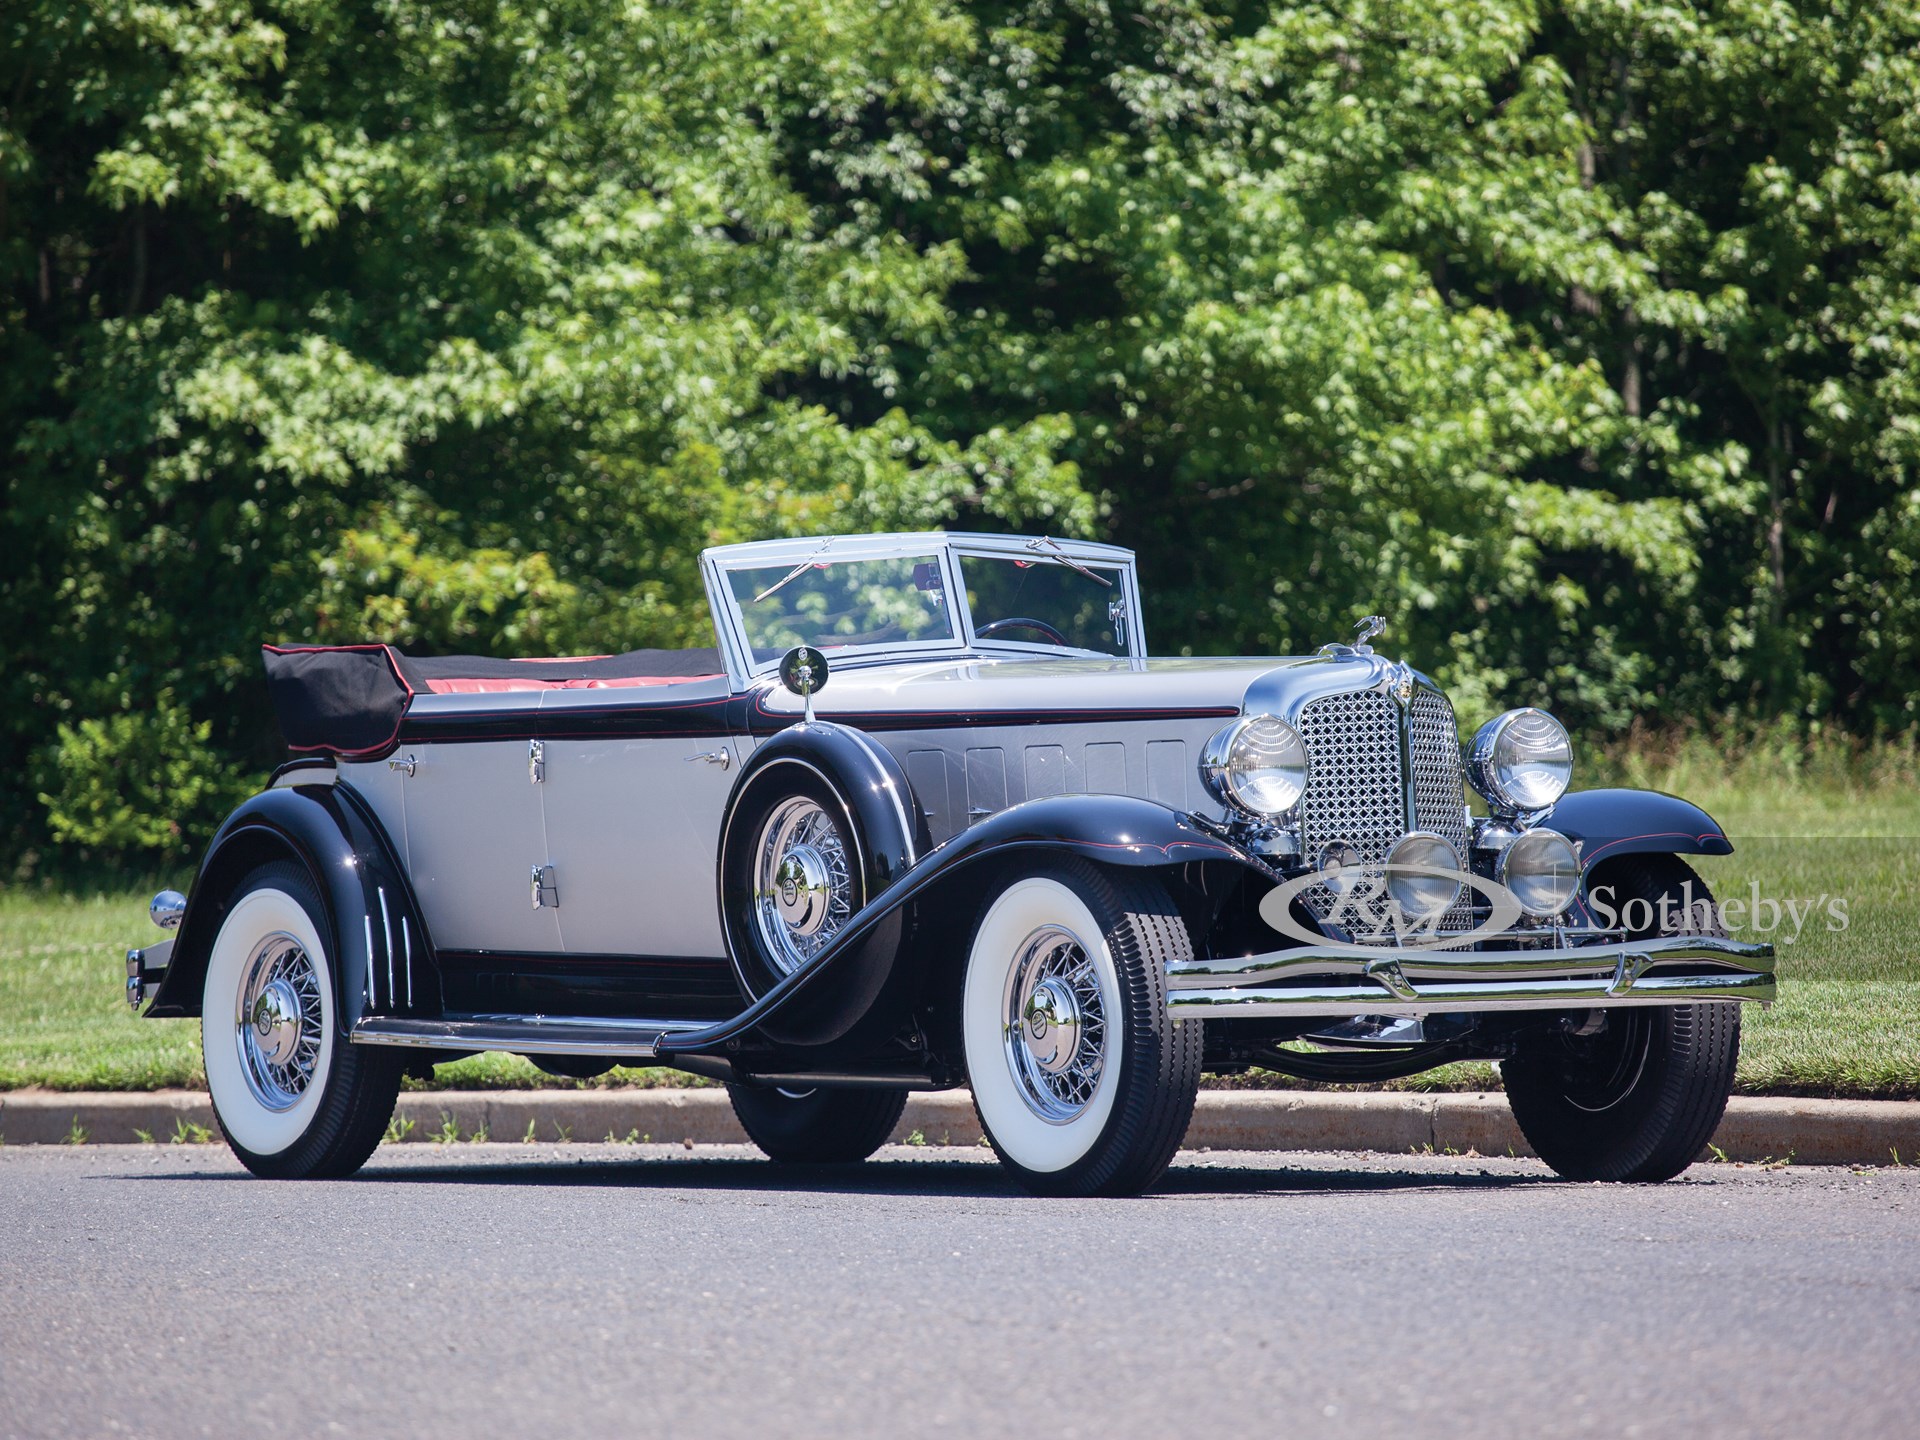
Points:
[[1349, 980]]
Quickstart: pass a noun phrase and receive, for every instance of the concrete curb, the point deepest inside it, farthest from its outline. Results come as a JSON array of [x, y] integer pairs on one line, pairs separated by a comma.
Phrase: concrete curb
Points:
[[1811, 1132]]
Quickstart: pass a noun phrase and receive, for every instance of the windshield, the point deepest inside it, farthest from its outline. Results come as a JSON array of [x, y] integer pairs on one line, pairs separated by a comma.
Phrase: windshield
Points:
[[1043, 602], [830, 603]]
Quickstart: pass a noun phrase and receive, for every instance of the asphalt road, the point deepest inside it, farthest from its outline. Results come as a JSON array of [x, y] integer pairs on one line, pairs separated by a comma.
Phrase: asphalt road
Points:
[[546, 1290]]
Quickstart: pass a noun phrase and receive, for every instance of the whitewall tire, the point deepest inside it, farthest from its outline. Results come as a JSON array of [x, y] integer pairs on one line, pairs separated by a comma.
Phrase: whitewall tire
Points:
[[293, 1098], [1083, 1084]]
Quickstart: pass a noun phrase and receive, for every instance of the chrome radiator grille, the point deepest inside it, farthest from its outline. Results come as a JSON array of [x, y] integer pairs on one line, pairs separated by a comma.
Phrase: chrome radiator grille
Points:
[[1433, 742], [1357, 790]]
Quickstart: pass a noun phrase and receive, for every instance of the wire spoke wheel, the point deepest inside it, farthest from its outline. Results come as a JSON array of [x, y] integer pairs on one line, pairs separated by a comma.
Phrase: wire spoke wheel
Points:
[[279, 1024], [1082, 1080], [1056, 1024], [802, 882], [294, 1098]]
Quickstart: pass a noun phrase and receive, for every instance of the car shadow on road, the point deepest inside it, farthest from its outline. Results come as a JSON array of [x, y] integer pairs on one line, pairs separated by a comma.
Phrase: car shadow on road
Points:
[[930, 1177]]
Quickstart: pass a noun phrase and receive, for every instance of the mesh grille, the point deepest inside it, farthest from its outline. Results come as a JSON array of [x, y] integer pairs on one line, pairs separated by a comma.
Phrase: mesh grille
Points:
[[1356, 791], [1433, 744], [1433, 740]]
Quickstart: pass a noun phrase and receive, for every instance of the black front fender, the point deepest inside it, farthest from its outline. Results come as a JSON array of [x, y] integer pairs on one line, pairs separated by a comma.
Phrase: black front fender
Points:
[[1107, 829], [374, 932], [1112, 829], [1633, 822]]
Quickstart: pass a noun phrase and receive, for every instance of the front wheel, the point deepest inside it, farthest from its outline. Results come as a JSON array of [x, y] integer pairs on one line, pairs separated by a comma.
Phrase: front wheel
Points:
[[294, 1100], [1083, 1082], [1638, 1097]]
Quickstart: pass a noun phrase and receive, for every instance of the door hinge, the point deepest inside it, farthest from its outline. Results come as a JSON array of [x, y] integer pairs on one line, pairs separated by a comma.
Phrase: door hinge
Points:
[[546, 890], [536, 761]]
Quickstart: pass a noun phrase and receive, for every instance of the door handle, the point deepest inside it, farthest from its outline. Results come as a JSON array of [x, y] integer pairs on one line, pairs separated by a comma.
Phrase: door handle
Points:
[[722, 757]]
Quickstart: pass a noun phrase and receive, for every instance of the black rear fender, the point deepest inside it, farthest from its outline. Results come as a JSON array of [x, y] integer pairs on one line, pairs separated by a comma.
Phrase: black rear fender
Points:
[[382, 955]]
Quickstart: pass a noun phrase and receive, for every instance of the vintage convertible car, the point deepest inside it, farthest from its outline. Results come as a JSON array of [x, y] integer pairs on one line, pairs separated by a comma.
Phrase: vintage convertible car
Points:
[[1003, 848]]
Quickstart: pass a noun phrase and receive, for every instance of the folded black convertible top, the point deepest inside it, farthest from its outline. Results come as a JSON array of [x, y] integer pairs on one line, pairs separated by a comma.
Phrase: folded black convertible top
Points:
[[349, 700]]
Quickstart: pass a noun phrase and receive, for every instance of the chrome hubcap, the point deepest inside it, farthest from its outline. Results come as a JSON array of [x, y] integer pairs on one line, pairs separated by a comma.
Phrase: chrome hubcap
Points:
[[1055, 1026], [1050, 1026], [276, 1022], [279, 1020], [802, 883], [802, 890]]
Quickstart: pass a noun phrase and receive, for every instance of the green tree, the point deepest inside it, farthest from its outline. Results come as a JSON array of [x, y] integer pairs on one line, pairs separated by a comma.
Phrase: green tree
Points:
[[474, 322], [1579, 338]]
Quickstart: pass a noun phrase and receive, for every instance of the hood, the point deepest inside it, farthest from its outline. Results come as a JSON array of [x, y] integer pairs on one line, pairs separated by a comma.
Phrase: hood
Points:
[[986, 689]]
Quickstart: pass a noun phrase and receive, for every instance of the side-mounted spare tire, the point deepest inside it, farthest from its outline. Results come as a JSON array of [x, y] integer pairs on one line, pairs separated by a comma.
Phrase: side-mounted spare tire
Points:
[[820, 821]]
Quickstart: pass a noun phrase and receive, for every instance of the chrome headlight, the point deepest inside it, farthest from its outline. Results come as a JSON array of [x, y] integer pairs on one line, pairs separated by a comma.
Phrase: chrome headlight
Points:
[[1521, 761], [1257, 764], [1541, 869], [1423, 875]]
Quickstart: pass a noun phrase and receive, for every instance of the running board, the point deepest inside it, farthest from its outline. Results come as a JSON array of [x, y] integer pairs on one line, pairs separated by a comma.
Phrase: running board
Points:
[[526, 1034]]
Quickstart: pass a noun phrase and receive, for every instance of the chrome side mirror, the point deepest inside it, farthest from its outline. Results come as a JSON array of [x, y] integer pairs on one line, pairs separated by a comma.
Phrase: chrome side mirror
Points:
[[803, 670]]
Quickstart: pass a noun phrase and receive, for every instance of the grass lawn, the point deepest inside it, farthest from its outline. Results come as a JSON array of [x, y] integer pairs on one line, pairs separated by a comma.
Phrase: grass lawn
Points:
[[1848, 1021]]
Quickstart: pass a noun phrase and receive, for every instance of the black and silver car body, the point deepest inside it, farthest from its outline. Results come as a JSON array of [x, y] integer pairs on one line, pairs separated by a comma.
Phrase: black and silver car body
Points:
[[1002, 845]]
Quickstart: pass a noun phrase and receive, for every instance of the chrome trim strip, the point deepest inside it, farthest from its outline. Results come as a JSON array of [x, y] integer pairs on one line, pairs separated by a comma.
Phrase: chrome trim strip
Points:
[[386, 924], [368, 989], [525, 1034], [406, 938]]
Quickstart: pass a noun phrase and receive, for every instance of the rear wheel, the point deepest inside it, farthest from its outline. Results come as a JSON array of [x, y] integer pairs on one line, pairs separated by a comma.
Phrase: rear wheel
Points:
[[293, 1098], [1083, 1083], [1638, 1098], [817, 1127]]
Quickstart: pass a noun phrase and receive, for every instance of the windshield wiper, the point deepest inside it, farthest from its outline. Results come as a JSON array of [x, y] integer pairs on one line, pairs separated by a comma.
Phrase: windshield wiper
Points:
[[1064, 558], [794, 574]]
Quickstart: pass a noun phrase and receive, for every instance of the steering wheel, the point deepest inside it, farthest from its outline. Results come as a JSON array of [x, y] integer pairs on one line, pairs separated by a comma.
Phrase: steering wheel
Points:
[[1024, 622]]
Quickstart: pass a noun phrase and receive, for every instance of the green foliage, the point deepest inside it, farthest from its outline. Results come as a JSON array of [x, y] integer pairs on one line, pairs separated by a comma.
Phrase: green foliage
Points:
[[137, 782], [1579, 338]]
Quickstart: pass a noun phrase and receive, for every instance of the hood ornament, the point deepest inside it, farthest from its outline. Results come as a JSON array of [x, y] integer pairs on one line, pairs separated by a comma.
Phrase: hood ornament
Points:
[[1363, 631]]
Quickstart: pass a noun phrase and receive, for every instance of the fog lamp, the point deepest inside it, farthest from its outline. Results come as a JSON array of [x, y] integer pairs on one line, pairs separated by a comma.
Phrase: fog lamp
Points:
[[1423, 875], [1542, 870]]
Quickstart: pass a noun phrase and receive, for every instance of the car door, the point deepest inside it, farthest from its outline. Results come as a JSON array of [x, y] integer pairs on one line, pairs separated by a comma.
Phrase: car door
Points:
[[633, 827], [475, 832]]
